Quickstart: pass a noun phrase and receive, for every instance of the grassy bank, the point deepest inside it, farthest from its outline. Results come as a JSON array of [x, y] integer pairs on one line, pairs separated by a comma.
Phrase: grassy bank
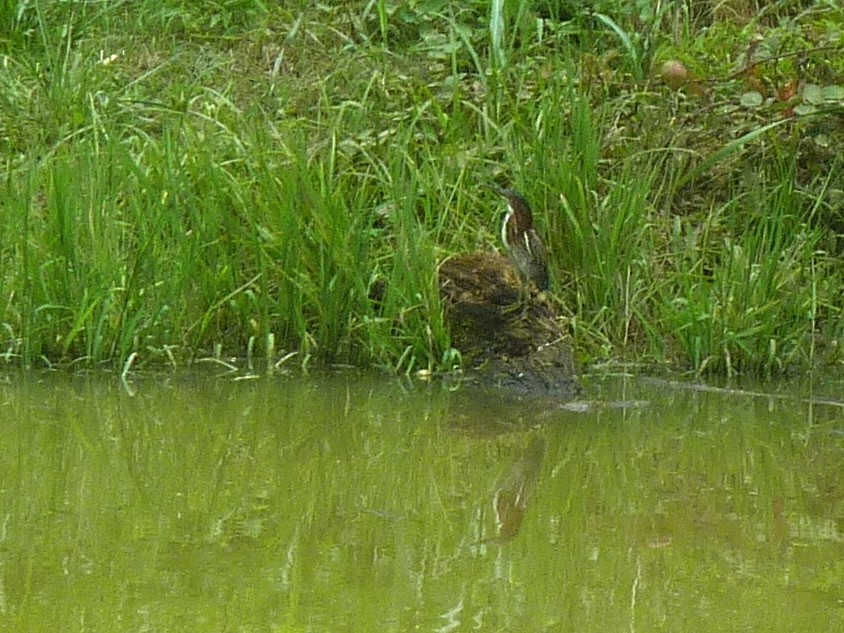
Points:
[[215, 179]]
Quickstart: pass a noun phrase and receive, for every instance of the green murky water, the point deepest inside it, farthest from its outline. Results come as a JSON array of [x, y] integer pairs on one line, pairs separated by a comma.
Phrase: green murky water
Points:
[[353, 503]]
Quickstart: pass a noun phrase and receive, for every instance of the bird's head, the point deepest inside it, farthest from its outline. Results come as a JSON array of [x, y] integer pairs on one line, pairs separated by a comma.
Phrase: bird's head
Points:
[[522, 215]]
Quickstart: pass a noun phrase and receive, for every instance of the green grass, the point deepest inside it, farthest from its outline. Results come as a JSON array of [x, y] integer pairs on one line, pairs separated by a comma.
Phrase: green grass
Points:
[[233, 179], [750, 298]]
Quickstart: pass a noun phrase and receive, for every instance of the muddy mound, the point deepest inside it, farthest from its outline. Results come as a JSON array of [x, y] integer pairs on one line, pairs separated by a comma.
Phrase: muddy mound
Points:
[[511, 336]]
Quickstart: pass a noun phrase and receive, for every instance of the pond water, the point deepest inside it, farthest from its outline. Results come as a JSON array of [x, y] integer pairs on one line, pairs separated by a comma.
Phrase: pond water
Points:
[[352, 502]]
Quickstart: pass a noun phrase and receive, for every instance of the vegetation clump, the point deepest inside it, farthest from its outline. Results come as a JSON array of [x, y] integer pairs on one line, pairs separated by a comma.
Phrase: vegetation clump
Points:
[[507, 330], [210, 179]]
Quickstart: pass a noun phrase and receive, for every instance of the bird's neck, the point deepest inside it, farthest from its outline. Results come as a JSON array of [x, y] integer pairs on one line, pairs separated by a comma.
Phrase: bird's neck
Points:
[[522, 218], [507, 219]]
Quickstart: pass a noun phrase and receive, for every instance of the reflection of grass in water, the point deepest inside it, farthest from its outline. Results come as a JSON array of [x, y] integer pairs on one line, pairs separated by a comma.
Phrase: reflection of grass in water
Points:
[[316, 499], [678, 503]]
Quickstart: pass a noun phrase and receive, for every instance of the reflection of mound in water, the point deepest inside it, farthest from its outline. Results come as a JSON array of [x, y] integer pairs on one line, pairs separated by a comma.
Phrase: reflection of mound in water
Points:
[[511, 334], [514, 491]]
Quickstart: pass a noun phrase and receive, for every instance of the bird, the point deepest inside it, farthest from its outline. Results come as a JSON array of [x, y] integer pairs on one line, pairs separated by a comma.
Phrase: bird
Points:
[[525, 248]]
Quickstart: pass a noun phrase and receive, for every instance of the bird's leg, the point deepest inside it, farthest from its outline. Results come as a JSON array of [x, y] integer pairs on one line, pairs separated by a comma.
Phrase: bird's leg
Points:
[[522, 300]]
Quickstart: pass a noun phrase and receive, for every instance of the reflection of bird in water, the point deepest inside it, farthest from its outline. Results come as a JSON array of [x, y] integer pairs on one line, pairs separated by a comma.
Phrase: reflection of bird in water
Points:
[[524, 246], [514, 491]]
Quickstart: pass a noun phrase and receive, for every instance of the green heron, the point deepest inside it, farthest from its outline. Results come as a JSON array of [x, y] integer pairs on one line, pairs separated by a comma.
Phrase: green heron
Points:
[[524, 246]]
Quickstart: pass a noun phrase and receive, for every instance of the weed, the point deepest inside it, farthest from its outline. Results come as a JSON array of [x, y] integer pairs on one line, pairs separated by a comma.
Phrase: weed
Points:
[[186, 180]]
